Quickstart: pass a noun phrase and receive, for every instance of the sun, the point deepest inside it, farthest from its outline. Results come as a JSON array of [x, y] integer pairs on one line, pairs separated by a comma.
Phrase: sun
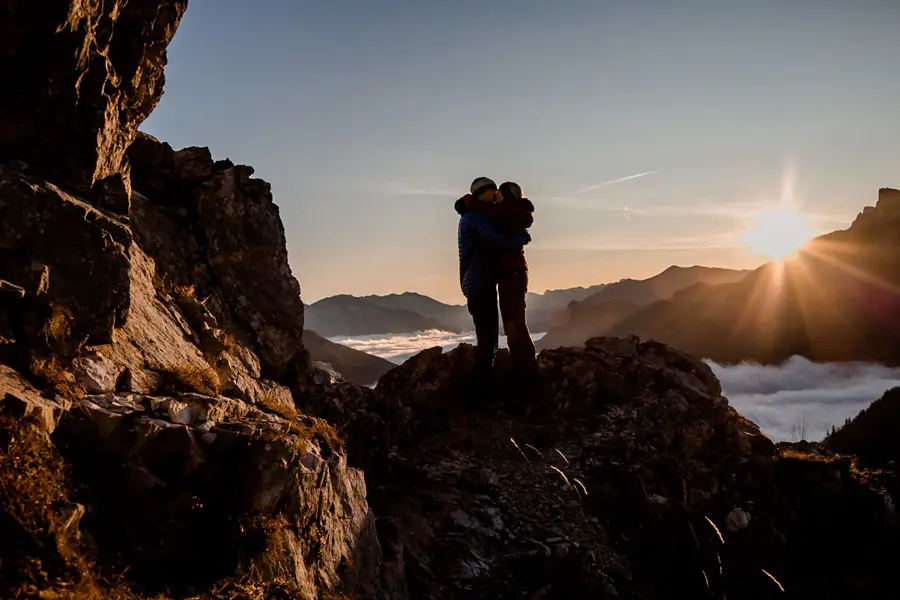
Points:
[[777, 233]]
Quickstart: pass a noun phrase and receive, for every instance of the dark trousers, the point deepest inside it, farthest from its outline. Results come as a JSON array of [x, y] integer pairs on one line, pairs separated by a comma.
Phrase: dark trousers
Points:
[[483, 307]]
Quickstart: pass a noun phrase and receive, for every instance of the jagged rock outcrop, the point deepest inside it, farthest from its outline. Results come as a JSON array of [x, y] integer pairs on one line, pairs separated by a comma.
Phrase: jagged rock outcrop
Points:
[[887, 209], [212, 226], [145, 424], [629, 476], [79, 78]]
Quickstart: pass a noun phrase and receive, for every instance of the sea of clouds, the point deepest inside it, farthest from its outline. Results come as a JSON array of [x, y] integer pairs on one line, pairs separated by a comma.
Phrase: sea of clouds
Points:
[[801, 396], [797, 399], [399, 347]]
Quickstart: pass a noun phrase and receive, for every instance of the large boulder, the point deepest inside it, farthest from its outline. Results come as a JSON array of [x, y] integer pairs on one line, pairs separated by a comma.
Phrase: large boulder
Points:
[[223, 490], [79, 77]]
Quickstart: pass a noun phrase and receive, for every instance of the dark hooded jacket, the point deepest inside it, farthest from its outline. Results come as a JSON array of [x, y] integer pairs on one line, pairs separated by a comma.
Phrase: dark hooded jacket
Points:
[[491, 241]]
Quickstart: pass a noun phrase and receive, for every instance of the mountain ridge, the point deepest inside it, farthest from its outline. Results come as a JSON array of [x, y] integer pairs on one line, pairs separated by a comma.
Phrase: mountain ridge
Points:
[[598, 313], [354, 365], [835, 299]]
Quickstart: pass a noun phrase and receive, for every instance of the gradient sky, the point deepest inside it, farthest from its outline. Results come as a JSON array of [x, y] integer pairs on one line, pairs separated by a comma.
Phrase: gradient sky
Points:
[[371, 118]]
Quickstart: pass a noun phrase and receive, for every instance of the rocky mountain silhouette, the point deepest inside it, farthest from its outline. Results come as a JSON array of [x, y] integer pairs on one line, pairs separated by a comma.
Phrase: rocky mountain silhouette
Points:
[[351, 316], [544, 310], [410, 312], [598, 313], [836, 299], [451, 317], [353, 365], [165, 434]]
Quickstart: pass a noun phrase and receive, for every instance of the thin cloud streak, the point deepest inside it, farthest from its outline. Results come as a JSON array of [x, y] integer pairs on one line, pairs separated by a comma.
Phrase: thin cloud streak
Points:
[[723, 241], [604, 184], [733, 211]]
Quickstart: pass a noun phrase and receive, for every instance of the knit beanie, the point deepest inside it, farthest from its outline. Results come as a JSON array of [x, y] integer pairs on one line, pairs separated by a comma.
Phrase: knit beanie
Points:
[[481, 185]]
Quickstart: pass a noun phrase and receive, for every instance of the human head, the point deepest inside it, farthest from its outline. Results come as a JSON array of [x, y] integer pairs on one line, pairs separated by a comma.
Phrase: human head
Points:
[[510, 190], [484, 189]]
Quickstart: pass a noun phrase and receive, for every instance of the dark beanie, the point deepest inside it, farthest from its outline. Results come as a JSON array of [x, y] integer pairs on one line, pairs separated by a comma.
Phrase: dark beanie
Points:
[[482, 184]]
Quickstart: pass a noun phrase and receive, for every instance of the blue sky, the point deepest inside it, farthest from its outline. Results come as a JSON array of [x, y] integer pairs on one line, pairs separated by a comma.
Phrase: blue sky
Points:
[[370, 118]]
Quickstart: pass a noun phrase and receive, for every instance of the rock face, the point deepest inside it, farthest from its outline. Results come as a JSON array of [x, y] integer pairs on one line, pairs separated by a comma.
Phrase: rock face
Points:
[[222, 488], [212, 226], [151, 339], [52, 243], [93, 73]]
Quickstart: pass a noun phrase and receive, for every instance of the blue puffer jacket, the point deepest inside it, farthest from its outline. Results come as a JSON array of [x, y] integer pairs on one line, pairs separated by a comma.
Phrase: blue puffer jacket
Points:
[[477, 237]]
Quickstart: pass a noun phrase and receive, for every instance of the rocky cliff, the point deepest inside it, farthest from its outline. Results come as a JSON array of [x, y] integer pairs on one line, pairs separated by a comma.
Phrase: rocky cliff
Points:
[[150, 332], [163, 433]]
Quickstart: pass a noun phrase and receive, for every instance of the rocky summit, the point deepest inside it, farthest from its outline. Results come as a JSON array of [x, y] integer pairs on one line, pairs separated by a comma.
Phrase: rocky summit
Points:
[[164, 434]]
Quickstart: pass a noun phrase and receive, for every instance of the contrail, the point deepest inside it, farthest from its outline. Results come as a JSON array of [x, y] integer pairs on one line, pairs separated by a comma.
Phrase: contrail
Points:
[[611, 182]]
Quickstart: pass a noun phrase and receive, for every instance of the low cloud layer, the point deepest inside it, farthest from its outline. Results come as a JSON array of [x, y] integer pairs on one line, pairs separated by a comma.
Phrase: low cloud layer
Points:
[[801, 396], [399, 347], [798, 399]]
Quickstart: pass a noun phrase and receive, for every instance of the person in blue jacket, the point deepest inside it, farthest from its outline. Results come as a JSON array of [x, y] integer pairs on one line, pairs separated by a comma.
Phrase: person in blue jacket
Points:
[[479, 239]]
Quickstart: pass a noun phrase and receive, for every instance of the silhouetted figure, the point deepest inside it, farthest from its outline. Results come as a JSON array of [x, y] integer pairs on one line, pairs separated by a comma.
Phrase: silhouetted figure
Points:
[[492, 235]]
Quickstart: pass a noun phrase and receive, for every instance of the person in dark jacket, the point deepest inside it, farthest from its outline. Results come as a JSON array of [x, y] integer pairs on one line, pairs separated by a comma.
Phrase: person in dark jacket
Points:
[[490, 243], [515, 215]]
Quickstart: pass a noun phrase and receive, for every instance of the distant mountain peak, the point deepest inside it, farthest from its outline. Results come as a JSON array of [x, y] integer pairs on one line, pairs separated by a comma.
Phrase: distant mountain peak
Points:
[[886, 210]]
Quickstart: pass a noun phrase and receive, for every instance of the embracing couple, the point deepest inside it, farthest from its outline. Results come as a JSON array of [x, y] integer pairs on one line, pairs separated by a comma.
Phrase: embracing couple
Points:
[[493, 233]]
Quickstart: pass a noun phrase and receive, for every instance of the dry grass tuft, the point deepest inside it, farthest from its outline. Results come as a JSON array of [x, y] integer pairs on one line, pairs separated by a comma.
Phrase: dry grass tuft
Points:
[[34, 502], [182, 292], [229, 342], [270, 402], [32, 482], [54, 378], [190, 378], [58, 326], [323, 431]]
